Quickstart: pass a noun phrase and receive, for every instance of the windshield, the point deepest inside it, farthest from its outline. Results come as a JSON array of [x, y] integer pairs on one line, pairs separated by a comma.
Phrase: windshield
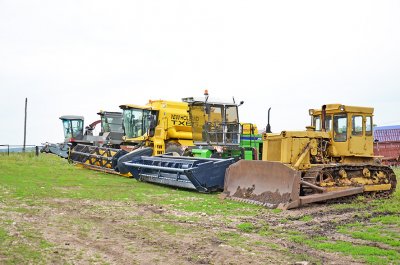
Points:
[[111, 124], [72, 128], [136, 122]]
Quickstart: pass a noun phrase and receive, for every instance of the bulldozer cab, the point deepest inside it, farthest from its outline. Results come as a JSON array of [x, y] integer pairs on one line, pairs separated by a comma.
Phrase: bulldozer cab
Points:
[[73, 127], [214, 123], [349, 127]]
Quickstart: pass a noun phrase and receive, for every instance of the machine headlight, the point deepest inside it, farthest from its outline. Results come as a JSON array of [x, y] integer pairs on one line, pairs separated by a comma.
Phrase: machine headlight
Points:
[[341, 108]]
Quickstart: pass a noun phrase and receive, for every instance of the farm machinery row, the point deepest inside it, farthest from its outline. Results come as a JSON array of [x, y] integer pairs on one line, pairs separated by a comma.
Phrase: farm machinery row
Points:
[[200, 144]]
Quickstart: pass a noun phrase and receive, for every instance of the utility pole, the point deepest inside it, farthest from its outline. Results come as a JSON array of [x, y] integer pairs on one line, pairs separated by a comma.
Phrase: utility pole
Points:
[[26, 106]]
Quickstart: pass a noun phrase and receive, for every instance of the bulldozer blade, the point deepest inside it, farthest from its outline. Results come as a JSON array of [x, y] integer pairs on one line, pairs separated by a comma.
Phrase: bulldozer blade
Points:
[[201, 174], [271, 184]]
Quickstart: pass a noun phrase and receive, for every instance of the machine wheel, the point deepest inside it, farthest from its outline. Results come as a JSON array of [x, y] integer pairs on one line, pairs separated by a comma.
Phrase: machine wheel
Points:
[[216, 155], [174, 147]]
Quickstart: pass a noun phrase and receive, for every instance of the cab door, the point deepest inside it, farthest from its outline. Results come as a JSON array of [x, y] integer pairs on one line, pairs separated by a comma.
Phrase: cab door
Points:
[[358, 140]]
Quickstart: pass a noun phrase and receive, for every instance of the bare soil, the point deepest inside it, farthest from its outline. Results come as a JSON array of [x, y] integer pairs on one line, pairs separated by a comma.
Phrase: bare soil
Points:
[[109, 232]]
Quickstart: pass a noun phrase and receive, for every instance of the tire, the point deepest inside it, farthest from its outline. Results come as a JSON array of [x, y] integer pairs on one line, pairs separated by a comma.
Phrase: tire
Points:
[[174, 148]]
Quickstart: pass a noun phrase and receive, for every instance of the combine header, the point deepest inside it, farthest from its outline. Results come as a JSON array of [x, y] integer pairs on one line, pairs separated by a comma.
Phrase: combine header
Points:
[[201, 174]]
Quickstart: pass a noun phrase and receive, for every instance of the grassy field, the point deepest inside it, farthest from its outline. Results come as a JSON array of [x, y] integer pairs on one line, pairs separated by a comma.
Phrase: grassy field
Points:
[[54, 213]]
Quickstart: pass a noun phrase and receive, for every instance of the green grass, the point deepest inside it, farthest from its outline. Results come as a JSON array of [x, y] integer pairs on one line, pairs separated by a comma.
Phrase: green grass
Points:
[[246, 227], [370, 254], [387, 219], [373, 233], [27, 247], [162, 226], [306, 218], [232, 238], [48, 176]]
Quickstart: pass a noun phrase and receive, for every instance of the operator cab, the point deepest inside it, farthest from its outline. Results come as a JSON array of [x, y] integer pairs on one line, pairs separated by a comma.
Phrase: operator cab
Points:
[[214, 123], [73, 127], [137, 120], [111, 122], [350, 126]]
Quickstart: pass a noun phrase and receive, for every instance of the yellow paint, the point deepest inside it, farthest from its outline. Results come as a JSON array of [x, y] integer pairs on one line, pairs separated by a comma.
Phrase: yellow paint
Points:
[[302, 150], [378, 187], [173, 125]]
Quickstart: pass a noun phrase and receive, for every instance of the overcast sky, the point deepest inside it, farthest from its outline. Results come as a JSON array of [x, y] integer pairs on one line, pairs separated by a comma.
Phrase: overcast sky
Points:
[[79, 57]]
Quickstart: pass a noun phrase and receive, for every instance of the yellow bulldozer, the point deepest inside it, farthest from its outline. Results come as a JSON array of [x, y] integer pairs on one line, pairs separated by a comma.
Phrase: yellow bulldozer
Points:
[[156, 128], [332, 158]]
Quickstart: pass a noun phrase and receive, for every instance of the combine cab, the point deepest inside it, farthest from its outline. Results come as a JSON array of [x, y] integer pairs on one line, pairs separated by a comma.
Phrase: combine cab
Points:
[[73, 131], [333, 158]]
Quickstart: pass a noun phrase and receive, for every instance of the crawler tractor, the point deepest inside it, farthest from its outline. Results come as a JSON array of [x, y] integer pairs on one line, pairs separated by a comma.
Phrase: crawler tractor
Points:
[[333, 158]]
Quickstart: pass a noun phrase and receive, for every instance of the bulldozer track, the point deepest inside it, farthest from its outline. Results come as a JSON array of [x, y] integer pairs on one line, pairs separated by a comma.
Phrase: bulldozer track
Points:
[[313, 175]]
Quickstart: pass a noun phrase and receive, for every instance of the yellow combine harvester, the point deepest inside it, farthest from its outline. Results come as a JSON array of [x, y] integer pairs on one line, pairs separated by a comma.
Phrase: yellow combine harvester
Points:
[[158, 127], [160, 124], [333, 158]]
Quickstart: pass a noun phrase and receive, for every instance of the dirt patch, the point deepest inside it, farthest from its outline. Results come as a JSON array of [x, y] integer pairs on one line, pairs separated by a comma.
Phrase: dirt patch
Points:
[[98, 232], [87, 232]]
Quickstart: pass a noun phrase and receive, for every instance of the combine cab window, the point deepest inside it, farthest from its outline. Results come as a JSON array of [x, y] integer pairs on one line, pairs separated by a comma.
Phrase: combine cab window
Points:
[[231, 114], [77, 128], [357, 125], [340, 127], [215, 121], [136, 122], [368, 125], [67, 129], [111, 124], [232, 125]]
